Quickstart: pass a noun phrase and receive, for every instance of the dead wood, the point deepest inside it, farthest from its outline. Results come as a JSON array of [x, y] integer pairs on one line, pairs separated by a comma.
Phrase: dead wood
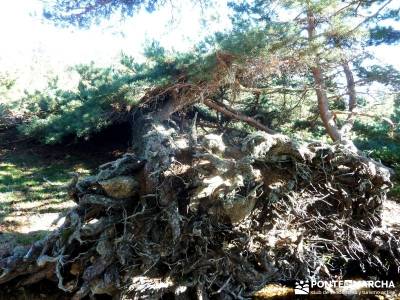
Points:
[[214, 216]]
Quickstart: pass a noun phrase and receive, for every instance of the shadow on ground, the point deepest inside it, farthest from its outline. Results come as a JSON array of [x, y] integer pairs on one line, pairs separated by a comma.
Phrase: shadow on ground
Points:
[[34, 177]]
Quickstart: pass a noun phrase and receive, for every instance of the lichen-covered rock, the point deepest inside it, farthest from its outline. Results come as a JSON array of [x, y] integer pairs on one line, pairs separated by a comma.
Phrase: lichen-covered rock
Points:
[[214, 143], [120, 187], [239, 207]]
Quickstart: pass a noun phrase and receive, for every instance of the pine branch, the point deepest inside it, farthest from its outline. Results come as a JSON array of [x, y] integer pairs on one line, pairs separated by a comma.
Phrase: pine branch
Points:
[[230, 112]]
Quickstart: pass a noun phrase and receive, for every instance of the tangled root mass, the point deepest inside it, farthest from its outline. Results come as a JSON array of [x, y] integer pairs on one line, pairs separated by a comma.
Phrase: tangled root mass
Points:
[[215, 217]]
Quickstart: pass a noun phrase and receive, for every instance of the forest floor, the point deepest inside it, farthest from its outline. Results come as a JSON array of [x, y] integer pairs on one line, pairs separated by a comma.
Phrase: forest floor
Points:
[[33, 180]]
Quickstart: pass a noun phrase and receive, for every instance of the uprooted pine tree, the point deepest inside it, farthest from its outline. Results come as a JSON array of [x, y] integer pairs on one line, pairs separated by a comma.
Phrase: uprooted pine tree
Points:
[[196, 210]]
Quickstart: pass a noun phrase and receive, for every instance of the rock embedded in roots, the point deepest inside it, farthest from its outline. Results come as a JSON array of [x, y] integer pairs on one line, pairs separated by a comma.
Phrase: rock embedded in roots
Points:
[[120, 187]]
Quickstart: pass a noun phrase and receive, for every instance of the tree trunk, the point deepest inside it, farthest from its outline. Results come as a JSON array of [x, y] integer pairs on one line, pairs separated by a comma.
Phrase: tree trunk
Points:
[[351, 91], [320, 88]]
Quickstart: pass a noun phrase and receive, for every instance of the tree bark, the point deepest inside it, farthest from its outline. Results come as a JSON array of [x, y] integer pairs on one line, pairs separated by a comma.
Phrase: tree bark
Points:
[[235, 115], [351, 91], [320, 88], [172, 106]]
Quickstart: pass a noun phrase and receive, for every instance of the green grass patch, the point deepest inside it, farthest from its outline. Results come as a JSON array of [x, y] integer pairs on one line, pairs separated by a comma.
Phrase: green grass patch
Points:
[[33, 184]]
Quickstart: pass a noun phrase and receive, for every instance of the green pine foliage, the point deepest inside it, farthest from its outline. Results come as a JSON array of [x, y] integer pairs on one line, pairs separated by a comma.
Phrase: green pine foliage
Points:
[[379, 141], [7, 83], [384, 35], [102, 96], [84, 13]]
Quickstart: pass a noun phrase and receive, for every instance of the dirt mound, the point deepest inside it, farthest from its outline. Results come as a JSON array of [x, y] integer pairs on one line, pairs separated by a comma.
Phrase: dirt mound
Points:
[[213, 215]]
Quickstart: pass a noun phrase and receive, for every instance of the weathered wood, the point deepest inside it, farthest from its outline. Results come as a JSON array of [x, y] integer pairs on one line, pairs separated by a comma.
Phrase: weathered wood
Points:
[[210, 217]]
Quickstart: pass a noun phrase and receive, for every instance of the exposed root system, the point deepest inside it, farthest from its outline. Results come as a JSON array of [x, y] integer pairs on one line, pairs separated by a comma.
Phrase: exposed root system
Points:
[[213, 216]]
